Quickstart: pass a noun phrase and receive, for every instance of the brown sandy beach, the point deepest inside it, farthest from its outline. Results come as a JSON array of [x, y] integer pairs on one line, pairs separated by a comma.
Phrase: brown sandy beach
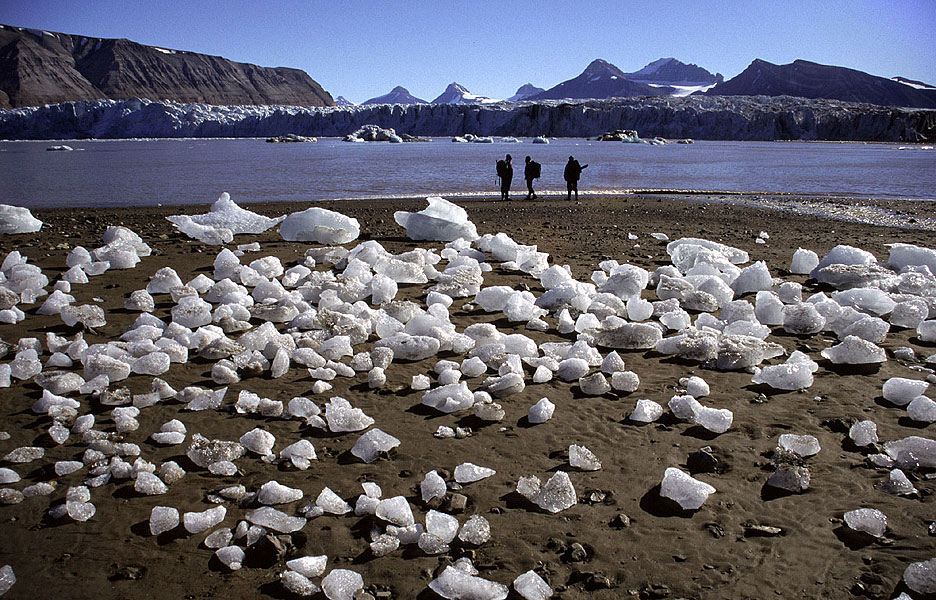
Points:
[[634, 544]]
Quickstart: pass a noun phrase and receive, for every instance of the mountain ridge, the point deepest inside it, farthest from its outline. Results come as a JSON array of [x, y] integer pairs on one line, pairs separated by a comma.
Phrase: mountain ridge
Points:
[[806, 79], [42, 67]]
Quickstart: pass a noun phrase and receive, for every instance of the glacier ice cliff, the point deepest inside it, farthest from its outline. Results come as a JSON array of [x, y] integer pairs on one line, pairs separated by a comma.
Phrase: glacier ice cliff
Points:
[[699, 117]]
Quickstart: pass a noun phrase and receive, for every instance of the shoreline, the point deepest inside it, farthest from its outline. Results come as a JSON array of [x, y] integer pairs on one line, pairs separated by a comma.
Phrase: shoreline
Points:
[[633, 545], [904, 213]]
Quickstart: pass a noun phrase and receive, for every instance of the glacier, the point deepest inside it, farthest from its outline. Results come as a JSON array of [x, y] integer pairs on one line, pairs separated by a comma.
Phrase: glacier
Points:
[[699, 117]]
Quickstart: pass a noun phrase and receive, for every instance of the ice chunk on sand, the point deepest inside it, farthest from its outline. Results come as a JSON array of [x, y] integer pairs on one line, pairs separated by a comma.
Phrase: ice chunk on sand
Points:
[[646, 411], [685, 490], [226, 214], [556, 495], [298, 584], [804, 261], [203, 452], [920, 577], [410, 347], [795, 374], [206, 234], [277, 520], [800, 445], [531, 586], [273, 492], [370, 445], [163, 519], [441, 525], [541, 412], [231, 557], [309, 566], [196, 522], [441, 221], [258, 441], [863, 433], [16, 219], [341, 417], [845, 255], [922, 409], [449, 398], [475, 531], [901, 391], [432, 486], [332, 503], [396, 510], [320, 226], [469, 473], [582, 458], [855, 351], [455, 584], [867, 520]]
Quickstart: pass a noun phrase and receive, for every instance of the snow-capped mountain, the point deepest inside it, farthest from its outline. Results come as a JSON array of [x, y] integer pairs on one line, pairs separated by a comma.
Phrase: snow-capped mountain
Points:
[[398, 95], [600, 79], [669, 71], [913, 83], [526, 91], [342, 101], [458, 94]]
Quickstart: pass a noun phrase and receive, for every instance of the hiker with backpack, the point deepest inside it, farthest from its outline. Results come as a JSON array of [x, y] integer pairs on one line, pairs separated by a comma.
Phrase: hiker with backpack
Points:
[[505, 173], [573, 170], [530, 172]]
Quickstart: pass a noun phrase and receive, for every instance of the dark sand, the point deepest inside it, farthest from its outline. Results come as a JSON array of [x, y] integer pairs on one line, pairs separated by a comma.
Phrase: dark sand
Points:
[[662, 554]]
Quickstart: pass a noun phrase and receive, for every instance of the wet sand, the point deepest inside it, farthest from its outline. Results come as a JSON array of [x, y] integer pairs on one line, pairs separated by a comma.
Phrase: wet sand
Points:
[[660, 553]]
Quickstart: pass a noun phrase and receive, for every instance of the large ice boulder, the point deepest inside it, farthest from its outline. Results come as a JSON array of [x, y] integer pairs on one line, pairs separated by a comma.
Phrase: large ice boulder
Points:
[[321, 226], [441, 221], [904, 255], [225, 214], [16, 219]]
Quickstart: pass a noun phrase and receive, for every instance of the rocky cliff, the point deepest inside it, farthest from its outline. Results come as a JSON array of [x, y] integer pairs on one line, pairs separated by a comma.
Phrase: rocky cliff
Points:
[[43, 67], [699, 117]]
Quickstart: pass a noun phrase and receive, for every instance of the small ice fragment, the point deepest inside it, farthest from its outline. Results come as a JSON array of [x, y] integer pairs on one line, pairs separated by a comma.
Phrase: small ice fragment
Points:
[[646, 411], [582, 458], [801, 445], [342, 584], [468, 473], [867, 520], [688, 492]]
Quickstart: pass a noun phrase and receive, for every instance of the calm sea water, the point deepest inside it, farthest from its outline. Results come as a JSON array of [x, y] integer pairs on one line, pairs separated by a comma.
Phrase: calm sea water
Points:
[[149, 172]]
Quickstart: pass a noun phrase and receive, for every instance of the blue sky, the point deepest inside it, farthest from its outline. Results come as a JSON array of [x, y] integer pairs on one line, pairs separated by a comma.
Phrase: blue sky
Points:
[[363, 48]]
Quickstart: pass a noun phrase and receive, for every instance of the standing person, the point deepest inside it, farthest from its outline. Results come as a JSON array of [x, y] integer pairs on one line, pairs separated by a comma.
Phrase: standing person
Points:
[[505, 173], [530, 172], [573, 170]]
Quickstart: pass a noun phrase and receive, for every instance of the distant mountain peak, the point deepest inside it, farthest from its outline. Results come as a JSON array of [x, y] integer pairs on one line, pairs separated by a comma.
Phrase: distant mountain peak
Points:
[[600, 79], [398, 95], [525, 91], [670, 71], [456, 93]]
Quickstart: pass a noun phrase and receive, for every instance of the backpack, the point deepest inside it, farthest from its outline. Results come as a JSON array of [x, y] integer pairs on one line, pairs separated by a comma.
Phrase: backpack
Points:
[[535, 169], [502, 168]]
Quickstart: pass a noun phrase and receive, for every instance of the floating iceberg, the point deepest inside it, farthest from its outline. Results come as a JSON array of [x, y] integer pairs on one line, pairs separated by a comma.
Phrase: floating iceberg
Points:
[[441, 221]]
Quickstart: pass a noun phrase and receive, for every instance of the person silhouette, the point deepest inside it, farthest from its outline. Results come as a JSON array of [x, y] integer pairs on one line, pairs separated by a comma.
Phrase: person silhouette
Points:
[[571, 174], [505, 173], [530, 172]]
